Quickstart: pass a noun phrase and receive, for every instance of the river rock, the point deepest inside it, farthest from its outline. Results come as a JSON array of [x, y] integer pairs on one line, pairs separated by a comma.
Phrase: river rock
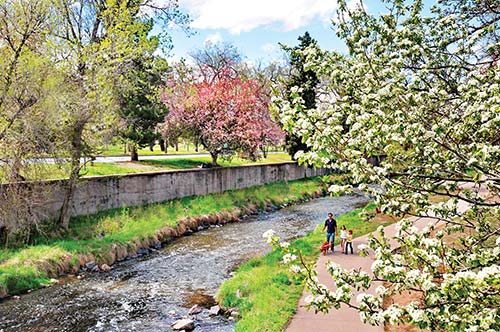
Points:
[[90, 266], [142, 251], [183, 324], [196, 309], [105, 268], [215, 310]]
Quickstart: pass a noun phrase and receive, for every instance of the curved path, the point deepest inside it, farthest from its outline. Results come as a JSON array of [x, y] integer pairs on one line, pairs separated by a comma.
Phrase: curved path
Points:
[[345, 319]]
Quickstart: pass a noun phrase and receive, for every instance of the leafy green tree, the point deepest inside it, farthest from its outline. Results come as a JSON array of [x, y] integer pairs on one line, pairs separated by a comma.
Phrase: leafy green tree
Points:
[[303, 79], [422, 88], [140, 108], [28, 122], [98, 40]]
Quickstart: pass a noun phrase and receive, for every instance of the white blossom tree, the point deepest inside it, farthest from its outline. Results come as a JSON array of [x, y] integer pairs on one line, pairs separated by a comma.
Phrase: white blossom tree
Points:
[[420, 91]]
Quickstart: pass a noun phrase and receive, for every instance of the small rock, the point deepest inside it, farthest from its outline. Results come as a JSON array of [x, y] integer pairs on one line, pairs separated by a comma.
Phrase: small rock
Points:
[[54, 281], [215, 310], [90, 265], [172, 312], [230, 319], [105, 268], [183, 324], [142, 251], [30, 290], [16, 297], [196, 309], [80, 276], [235, 314]]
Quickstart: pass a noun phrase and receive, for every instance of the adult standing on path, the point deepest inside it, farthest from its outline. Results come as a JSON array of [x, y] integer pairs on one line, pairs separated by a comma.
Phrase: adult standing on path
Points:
[[331, 229]]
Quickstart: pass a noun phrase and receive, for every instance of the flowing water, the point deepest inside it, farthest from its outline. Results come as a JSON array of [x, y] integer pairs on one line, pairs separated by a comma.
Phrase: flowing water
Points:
[[150, 292]]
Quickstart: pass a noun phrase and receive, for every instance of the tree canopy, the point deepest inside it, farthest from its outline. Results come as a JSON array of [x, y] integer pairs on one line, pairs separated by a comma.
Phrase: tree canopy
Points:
[[227, 114], [419, 88]]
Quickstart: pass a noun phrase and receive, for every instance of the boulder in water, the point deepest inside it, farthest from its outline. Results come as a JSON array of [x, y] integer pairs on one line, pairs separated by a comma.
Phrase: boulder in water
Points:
[[183, 324], [215, 310], [196, 309], [105, 268]]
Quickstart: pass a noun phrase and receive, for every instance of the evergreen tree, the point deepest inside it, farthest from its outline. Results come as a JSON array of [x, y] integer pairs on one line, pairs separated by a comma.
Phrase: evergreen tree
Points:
[[306, 80]]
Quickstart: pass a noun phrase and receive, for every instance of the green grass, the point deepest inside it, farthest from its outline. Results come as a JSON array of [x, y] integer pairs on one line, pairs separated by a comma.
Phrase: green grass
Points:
[[115, 168], [118, 150], [26, 268], [186, 163], [268, 292]]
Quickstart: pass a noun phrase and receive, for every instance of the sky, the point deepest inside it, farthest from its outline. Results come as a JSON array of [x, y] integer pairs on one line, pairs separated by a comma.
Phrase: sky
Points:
[[256, 27]]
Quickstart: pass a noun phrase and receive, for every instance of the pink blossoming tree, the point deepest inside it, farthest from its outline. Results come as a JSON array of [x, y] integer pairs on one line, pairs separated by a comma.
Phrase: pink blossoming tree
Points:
[[229, 115]]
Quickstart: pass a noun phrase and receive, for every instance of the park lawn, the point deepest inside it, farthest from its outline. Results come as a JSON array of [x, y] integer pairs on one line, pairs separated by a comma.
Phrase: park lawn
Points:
[[267, 293], [186, 163], [118, 150], [93, 169], [27, 268]]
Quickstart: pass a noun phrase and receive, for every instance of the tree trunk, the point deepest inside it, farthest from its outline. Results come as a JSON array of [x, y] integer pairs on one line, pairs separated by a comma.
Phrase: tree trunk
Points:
[[134, 156], [214, 156], [162, 145], [125, 147], [196, 143], [264, 152], [151, 146], [177, 146], [77, 150]]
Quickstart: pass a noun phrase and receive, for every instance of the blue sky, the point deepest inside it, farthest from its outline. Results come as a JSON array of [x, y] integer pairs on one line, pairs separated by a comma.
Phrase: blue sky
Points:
[[256, 27]]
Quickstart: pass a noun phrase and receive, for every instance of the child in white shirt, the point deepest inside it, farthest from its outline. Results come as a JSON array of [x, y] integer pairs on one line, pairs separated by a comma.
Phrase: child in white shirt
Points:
[[343, 236]]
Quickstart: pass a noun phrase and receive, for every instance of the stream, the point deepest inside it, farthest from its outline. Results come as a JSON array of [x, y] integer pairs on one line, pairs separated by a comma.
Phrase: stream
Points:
[[148, 293]]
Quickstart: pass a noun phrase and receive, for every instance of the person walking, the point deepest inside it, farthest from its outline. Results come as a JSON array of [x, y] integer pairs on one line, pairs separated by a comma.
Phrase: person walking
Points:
[[331, 229], [343, 236], [348, 242]]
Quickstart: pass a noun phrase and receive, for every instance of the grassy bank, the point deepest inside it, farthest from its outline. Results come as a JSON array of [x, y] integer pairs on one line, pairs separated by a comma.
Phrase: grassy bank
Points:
[[116, 234], [266, 293]]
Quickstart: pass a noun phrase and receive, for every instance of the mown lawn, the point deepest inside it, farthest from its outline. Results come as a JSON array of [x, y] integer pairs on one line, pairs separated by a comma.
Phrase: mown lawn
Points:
[[118, 150]]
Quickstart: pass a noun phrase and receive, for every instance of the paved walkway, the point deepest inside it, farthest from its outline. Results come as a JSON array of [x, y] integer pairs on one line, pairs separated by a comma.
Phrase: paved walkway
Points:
[[345, 319]]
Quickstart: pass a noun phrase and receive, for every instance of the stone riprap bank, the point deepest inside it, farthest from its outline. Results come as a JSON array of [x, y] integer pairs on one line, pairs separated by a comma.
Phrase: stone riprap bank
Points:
[[100, 193]]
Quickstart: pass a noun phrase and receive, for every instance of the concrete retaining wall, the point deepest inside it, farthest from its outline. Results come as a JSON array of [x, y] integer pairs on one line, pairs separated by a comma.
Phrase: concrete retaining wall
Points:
[[100, 193]]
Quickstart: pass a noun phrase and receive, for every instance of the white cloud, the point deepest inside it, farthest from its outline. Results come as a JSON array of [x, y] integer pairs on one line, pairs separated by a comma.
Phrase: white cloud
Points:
[[213, 38], [269, 47], [238, 16]]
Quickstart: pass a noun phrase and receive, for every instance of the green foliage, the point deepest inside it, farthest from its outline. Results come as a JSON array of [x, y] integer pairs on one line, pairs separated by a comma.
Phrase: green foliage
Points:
[[301, 78]]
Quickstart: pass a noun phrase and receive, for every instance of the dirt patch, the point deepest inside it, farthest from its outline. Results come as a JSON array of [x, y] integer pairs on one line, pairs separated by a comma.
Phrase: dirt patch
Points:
[[200, 298]]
